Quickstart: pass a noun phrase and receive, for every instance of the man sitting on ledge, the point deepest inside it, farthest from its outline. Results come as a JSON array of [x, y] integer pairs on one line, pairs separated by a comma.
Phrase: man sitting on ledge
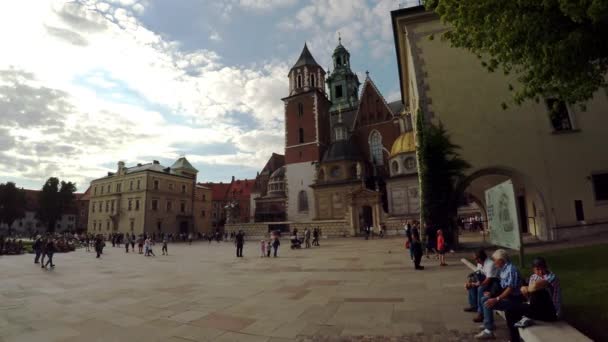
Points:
[[545, 297], [508, 298], [486, 275]]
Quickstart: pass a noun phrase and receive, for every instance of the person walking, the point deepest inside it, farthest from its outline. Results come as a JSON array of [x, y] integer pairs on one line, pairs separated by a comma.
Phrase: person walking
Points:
[[132, 239], [441, 248], [408, 239], [239, 242], [99, 245], [190, 239], [87, 243], [164, 249], [417, 250], [37, 246], [150, 251], [127, 243], [307, 237], [275, 245], [140, 244], [268, 247], [315, 237], [263, 248], [50, 251]]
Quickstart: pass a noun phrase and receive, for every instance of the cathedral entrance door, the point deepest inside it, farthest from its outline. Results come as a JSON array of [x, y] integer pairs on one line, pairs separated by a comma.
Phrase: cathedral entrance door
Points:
[[366, 218]]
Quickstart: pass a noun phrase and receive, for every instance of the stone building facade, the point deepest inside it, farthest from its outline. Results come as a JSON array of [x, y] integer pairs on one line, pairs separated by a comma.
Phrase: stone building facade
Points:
[[146, 198], [550, 150]]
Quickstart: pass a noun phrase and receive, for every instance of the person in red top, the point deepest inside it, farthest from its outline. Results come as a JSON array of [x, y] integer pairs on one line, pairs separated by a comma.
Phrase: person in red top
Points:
[[441, 247]]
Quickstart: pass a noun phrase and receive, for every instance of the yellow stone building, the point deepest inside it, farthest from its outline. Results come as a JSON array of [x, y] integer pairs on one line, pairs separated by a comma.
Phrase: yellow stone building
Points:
[[148, 198], [555, 154]]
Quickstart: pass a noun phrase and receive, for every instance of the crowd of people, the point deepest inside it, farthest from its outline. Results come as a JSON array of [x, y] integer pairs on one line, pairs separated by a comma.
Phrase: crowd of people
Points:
[[308, 239], [497, 285], [10, 246]]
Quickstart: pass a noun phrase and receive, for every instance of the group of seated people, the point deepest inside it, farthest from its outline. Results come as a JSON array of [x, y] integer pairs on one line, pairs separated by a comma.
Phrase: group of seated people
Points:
[[498, 285], [10, 246]]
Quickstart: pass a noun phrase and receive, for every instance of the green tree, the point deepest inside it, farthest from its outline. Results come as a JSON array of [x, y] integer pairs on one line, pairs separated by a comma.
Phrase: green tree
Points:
[[12, 204], [55, 199], [557, 48], [440, 168]]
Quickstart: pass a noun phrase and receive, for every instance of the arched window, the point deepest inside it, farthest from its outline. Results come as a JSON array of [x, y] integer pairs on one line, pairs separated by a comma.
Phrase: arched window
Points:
[[299, 81], [335, 172], [301, 135], [375, 148], [300, 110], [395, 166], [313, 81], [302, 201], [338, 61]]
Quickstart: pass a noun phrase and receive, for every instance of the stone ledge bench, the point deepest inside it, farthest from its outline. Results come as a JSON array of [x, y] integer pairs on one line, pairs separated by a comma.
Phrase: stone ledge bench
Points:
[[543, 331]]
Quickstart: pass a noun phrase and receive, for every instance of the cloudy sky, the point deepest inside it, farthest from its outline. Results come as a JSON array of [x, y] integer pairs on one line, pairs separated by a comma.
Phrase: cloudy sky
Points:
[[86, 83]]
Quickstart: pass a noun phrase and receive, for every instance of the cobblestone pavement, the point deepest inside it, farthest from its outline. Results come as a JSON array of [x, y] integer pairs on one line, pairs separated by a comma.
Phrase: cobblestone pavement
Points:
[[345, 290]]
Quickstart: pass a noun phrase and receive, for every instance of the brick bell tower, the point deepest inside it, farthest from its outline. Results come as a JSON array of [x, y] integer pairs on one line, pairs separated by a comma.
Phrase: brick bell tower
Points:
[[306, 133]]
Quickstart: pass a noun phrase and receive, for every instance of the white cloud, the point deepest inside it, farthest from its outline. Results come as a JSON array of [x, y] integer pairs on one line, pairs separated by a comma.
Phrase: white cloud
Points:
[[266, 4], [67, 48]]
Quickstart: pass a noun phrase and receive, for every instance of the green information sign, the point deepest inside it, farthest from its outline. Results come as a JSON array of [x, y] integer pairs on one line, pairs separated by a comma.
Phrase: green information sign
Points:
[[502, 216]]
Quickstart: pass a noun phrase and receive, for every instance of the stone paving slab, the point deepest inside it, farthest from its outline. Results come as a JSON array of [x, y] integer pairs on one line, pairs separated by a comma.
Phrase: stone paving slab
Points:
[[346, 290]]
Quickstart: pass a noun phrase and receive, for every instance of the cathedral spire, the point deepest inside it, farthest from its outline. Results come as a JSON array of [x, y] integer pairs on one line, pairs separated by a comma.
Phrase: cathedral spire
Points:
[[343, 82]]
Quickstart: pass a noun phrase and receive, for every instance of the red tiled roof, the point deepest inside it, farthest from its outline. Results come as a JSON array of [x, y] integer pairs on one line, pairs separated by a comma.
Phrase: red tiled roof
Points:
[[239, 189]]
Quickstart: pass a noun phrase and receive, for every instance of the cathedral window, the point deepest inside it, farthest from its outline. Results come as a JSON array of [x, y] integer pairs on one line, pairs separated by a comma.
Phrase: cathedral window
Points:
[[338, 91], [375, 147], [299, 81], [340, 133], [409, 163], [338, 61], [302, 201], [301, 135], [300, 110], [313, 82]]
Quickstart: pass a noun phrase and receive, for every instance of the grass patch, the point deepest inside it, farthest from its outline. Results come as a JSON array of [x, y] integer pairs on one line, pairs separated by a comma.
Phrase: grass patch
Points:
[[583, 275]]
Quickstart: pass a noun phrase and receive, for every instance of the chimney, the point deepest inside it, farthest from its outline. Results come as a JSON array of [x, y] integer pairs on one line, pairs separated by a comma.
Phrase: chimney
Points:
[[138, 164], [155, 162], [232, 178]]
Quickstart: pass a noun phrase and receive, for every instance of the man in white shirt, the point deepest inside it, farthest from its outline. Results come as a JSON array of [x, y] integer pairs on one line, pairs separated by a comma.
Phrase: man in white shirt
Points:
[[485, 275]]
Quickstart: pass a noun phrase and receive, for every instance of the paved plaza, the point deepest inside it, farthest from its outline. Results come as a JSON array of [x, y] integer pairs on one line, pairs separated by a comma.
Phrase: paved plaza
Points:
[[345, 290]]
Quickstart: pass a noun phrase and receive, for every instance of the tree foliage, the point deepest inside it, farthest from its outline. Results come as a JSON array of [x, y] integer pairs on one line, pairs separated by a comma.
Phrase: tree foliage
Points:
[[557, 48], [12, 204], [440, 169], [55, 199]]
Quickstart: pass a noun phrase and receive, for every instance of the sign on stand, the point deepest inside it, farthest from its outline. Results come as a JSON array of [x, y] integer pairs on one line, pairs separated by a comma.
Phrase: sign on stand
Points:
[[503, 219]]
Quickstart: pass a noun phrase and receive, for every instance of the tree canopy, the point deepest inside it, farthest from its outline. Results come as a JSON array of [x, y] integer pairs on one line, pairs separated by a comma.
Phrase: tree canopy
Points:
[[556, 48], [12, 204], [55, 198]]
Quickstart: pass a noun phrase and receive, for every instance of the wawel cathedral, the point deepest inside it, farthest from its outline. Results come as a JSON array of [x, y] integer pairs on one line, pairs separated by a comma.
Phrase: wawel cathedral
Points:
[[350, 157]]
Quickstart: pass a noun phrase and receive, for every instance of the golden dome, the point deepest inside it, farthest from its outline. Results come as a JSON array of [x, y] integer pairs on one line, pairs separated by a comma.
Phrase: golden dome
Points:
[[405, 143]]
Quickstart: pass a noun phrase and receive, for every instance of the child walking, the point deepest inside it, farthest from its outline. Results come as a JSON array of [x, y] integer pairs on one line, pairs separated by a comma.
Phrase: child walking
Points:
[[164, 249], [263, 248], [441, 247]]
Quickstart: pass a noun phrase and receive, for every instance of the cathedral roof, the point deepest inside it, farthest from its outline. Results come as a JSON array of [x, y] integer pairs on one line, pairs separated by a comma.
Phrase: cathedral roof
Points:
[[342, 150], [306, 58], [405, 143]]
